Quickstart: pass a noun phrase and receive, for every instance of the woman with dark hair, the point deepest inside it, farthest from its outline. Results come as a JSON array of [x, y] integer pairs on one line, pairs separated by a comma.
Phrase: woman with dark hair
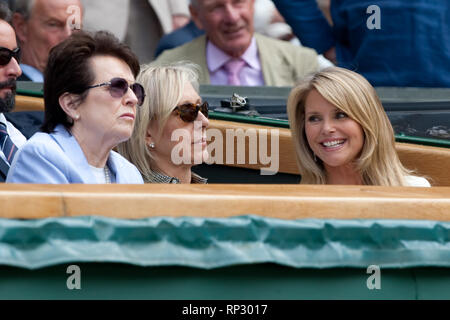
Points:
[[90, 99]]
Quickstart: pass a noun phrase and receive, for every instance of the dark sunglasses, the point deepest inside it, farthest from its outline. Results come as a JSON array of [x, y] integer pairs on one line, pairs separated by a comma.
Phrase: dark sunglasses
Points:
[[6, 55], [188, 112], [118, 87]]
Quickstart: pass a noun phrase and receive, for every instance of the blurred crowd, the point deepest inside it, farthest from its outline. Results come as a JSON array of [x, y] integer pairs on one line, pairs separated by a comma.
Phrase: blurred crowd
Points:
[[391, 43]]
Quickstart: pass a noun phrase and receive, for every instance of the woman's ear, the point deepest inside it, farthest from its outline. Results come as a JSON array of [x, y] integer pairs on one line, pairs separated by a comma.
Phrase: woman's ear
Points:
[[69, 103]]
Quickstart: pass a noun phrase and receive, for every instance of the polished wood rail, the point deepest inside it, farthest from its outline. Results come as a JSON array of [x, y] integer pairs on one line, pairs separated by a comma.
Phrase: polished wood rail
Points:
[[26, 103], [276, 201]]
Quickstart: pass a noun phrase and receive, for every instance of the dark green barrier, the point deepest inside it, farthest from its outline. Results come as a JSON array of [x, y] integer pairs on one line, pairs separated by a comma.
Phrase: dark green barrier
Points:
[[247, 257], [260, 281]]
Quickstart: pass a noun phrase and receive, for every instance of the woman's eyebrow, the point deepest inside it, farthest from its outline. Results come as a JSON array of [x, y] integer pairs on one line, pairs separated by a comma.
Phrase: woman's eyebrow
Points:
[[199, 100]]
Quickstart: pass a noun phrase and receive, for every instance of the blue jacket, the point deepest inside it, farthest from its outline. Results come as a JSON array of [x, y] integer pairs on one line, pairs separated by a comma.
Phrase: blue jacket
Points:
[[57, 158], [412, 48], [178, 37]]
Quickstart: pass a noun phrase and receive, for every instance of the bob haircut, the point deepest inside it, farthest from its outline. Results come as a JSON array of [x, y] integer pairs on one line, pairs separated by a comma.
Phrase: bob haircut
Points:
[[68, 70], [378, 162], [164, 86]]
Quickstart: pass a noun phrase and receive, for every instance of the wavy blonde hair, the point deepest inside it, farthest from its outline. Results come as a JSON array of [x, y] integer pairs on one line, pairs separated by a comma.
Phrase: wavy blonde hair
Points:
[[164, 87], [378, 162]]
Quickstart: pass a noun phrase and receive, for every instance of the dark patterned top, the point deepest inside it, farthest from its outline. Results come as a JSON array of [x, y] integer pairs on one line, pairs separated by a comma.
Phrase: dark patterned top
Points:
[[158, 177]]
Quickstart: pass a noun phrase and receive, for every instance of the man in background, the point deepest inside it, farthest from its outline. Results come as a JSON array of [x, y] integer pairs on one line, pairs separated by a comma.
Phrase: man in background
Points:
[[231, 53], [40, 25]]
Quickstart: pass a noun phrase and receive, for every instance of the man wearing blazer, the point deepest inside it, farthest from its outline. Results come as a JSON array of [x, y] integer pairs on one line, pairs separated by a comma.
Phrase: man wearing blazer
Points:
[[232, 54]]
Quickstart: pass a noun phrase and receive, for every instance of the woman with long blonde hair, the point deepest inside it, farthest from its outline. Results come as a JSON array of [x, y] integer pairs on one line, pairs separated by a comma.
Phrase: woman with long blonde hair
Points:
[[342, 134]]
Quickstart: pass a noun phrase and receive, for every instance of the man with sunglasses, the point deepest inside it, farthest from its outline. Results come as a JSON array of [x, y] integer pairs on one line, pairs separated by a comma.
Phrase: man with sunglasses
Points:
[[10, 137]]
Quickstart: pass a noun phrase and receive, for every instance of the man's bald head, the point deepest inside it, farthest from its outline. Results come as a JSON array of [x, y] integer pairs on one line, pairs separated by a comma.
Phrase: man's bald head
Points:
[[228, 24], [42, 24]]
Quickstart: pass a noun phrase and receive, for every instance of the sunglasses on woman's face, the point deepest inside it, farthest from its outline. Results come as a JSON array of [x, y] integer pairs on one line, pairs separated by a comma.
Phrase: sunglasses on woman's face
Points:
[[188, 112], [118, 87], [6, 55]]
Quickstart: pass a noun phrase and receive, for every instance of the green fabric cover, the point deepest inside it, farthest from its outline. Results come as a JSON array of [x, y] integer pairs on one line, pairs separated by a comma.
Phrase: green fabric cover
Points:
[[213, 242]]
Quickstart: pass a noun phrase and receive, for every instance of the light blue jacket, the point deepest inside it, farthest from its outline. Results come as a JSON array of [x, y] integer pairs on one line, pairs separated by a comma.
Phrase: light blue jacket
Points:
[[57, 158]]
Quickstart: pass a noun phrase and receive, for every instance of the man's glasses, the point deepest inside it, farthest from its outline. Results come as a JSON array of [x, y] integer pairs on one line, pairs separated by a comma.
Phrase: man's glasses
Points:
[[188, 112], [118, 87], [6, 55]]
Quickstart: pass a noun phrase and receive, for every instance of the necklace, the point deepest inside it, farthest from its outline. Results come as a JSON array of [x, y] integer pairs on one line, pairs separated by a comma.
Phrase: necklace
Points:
[[107, 175]]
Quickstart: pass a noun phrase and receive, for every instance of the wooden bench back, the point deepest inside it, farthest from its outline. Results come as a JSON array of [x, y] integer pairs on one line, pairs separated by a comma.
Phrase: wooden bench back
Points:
[[276, 201]]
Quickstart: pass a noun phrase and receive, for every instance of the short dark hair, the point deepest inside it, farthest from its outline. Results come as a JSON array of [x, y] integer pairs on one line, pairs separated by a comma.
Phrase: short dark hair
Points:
[[68, 70], [5, 13]]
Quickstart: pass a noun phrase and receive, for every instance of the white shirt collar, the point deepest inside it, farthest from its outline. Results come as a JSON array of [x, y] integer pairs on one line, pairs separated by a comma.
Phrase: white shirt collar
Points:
[[16, 136], [3, 119]]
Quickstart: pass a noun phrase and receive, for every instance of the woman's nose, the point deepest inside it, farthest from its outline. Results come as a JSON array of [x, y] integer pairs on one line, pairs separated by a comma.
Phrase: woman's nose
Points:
[[328, 126], [231, 13], [131, 98], [201, 117]]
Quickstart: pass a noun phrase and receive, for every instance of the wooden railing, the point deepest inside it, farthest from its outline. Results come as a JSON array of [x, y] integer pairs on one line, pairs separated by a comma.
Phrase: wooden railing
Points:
[[25, 103], [277, 201]]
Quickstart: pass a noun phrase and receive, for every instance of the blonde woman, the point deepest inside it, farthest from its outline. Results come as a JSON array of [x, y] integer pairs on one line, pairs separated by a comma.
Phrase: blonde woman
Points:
[[342, 134], [169, 136]]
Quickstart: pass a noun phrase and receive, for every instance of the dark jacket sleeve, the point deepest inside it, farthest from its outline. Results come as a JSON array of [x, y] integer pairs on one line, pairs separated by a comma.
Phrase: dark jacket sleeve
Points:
[[178, 38], [307, 22]]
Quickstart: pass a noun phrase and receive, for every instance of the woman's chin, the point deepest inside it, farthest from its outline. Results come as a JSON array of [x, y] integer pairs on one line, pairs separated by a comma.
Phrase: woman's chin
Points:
[[124, 134], [199, 158], [205, 156]]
